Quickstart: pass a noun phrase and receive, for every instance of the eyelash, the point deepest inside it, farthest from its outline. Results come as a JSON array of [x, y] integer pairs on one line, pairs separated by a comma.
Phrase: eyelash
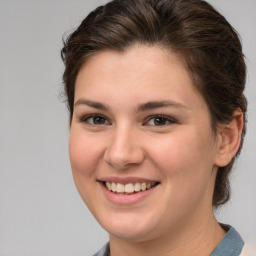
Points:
[[85, 119], [167, 120], [162, 118]]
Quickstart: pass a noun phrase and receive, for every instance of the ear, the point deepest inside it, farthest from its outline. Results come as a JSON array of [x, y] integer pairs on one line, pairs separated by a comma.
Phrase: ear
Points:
[[229, 139]]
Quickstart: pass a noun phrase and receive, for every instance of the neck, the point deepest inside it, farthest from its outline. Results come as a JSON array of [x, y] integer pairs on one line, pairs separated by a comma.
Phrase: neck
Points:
[[197, 239]]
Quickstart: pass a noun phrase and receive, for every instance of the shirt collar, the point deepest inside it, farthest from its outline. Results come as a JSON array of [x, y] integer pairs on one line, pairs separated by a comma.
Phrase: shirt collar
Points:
[[231, 244]]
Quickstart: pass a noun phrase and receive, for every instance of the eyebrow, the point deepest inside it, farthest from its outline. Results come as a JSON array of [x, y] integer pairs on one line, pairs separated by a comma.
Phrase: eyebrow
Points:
[[160, 104], [141, 108], [91, 103]]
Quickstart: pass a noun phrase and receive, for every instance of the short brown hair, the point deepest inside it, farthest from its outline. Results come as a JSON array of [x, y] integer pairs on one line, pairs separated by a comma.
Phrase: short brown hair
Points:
[[194, 30]]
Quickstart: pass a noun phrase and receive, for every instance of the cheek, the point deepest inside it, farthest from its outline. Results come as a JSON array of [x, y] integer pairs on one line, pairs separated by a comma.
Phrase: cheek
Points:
[[85, 155], [186, 159], [186, 163], [83, 150]]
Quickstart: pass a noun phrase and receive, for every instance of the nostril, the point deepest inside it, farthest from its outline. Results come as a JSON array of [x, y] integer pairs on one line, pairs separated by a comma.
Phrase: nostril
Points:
[[123, 159], [125, 148]]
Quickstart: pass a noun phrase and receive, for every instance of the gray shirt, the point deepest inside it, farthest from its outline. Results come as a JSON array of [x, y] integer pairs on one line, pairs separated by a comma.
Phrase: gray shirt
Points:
[[231, 245]]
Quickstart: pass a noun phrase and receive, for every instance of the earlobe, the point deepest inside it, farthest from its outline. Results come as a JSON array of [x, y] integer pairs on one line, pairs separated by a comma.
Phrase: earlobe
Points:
[[229, 139]]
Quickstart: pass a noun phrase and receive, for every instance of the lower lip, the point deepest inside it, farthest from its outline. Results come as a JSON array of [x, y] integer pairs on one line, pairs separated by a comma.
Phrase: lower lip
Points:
[[127, 199]]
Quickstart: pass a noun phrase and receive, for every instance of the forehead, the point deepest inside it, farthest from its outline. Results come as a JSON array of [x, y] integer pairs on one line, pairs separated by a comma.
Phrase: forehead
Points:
[[153, 69]]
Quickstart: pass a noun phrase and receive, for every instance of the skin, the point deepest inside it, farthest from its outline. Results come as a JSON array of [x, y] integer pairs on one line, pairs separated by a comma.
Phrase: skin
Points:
[[181, 152]]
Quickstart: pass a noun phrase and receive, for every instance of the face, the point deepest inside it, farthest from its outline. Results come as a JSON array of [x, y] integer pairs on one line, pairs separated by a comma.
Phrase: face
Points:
[[141, 146]]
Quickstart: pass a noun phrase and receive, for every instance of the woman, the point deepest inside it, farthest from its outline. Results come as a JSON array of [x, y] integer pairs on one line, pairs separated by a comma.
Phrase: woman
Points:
[[157, 115]]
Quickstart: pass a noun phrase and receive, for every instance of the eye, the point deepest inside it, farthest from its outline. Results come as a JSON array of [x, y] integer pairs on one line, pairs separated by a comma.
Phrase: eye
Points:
[[95, 120], [159, 120]]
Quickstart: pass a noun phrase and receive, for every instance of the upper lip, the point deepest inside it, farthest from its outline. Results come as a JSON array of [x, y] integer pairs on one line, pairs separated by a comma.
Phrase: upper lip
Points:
[[126, 180]]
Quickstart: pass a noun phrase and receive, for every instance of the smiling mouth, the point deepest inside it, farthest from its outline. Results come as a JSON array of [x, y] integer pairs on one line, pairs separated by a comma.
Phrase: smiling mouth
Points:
[[129, 188]]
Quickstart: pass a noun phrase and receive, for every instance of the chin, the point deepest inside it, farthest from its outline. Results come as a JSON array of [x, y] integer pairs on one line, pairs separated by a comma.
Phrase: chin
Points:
[[127, 232], [129, 227]]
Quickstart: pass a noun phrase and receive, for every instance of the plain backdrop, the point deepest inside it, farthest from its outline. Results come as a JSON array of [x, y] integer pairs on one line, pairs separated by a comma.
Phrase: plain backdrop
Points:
[[41, 212]]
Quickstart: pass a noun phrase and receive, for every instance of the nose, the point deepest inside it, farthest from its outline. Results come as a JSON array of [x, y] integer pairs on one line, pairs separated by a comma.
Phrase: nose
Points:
[[124, 149]]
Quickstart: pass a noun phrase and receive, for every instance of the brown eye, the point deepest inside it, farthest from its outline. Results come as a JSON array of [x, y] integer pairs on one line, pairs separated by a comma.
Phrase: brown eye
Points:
[[98, 120], [160, 120], [95, 120]]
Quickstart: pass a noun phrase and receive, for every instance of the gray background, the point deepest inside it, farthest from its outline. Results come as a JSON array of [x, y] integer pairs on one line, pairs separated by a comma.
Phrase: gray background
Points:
[[41, 212]]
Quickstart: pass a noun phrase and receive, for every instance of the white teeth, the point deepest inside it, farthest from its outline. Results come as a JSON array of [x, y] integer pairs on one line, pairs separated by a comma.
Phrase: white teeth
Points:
[[113, 187], [143, 186], [108, 184], [129, 188], [137, 187], [119, 188]]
